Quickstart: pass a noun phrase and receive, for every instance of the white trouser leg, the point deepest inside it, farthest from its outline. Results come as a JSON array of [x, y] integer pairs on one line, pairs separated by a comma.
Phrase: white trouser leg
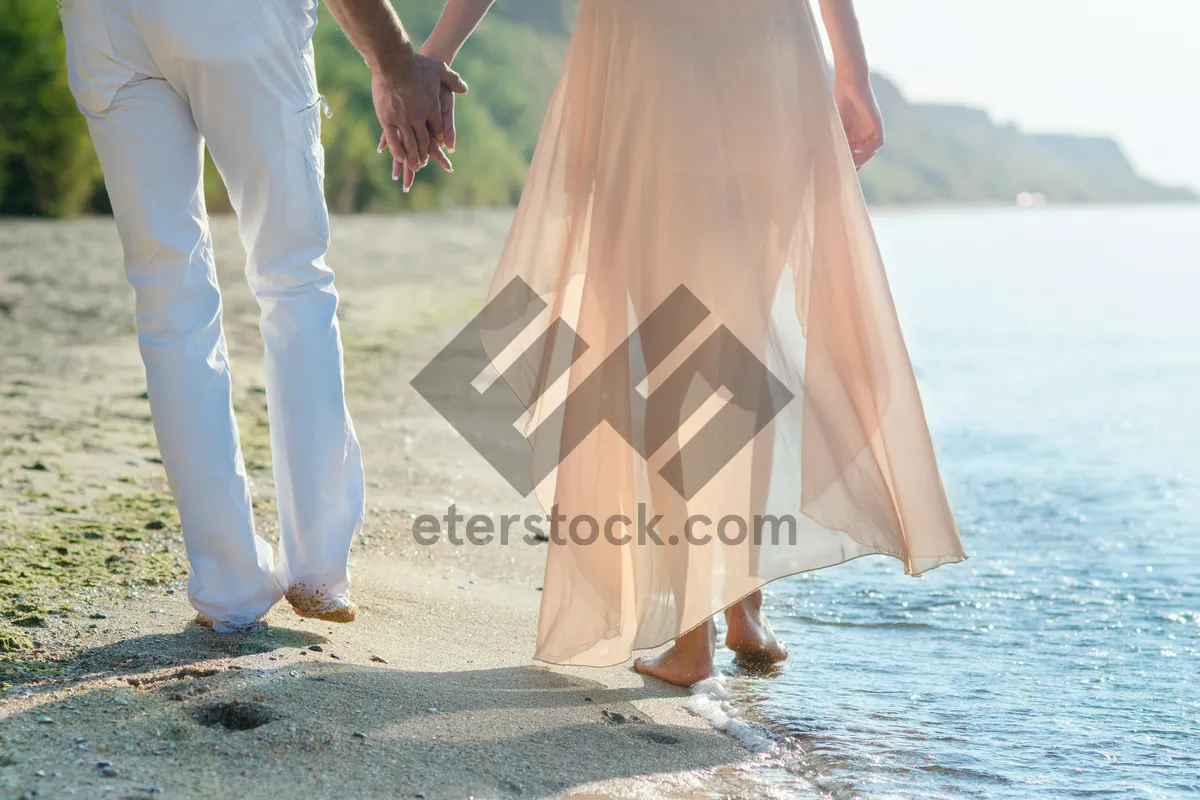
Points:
[[260, 114], [151, 153]]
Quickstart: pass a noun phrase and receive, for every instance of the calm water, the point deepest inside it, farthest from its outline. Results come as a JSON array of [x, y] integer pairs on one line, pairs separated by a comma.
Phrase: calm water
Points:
[[1059, 357]]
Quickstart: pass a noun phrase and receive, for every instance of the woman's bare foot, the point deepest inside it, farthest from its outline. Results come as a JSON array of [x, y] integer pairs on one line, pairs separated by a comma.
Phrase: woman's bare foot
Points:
[[688, 661], [750, 636]]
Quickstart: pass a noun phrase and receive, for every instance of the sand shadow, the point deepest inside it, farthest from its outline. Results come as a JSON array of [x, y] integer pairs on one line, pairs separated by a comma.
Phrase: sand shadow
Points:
[[524, 731], [141, 654]]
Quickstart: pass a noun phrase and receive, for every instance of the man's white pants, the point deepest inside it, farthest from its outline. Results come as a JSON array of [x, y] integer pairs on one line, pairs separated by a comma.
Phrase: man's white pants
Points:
[[156, 80]]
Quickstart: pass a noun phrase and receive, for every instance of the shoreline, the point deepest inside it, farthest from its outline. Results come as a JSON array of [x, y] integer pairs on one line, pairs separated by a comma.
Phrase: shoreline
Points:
[[433, 692], [479, 212]]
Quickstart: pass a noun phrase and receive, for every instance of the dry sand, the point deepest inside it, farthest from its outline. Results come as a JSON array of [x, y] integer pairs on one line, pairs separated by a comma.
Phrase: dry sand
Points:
[[432, 693]]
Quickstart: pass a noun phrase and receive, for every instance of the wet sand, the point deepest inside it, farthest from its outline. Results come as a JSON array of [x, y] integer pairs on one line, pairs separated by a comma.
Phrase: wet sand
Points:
[[109, 690]]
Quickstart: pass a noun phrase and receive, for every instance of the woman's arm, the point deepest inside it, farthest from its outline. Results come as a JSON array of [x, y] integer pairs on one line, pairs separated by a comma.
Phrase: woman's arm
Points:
[[852, 81], [849, 54], [459, 19]]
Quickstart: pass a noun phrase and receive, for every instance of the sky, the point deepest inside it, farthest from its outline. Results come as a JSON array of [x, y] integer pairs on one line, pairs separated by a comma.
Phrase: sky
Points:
[[1129, 69]]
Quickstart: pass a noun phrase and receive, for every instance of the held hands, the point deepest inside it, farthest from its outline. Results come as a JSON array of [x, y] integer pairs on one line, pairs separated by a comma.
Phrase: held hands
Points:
[[414, 100], [860, 118]]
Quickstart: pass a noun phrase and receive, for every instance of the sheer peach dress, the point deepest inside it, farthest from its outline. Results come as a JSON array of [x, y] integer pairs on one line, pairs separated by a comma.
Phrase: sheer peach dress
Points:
[[696, 144]]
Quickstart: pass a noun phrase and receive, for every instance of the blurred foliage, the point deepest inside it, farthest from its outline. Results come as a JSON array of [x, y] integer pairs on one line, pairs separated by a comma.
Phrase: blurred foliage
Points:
[[511, 68], [47, 166], [934, 153]]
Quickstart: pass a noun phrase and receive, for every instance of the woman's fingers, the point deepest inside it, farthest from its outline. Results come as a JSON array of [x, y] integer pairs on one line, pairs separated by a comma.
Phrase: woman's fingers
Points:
[[453, 81], [448, 133], [402, 167], [439, 157], [865, 147], [437, 121]]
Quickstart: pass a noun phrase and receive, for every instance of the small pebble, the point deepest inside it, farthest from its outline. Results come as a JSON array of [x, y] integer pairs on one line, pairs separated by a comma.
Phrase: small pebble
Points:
[[103, 764], [357, 735], [108, 772], [293, 673], [99, 615], [431, 710], [41, 773], [157, 611], [45, 721], [379, 659], [316, 648], [339, 658]]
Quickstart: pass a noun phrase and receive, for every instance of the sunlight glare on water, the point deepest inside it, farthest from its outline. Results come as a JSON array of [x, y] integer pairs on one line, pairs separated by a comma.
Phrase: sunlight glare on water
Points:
[[1058, 352]]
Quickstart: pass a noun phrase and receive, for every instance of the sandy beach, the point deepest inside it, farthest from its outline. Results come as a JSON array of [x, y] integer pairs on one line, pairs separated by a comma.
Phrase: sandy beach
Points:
[[109, 690]]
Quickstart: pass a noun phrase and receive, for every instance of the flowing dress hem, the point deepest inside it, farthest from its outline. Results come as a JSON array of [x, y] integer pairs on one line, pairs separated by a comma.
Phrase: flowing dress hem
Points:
[[925, 566]]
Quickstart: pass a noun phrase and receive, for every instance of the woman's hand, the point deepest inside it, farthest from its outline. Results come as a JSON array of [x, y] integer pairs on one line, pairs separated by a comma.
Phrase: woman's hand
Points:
[[860, 118], [446, 140]]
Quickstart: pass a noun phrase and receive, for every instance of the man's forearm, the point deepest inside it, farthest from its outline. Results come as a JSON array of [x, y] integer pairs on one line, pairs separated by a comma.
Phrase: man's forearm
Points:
[[845, 38], [373, 27]]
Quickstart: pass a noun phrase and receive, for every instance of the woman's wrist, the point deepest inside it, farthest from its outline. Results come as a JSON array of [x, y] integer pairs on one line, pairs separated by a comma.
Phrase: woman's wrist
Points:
[[442, 51], [855, 76]]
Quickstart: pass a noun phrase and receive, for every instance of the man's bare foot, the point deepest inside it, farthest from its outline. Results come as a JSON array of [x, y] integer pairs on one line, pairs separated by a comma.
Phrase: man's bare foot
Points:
[[205, 621], [307, 602], [688, 661], [749, 634]]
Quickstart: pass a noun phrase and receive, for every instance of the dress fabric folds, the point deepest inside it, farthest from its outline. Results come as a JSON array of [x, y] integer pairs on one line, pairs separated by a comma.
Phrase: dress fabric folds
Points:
[[696, 269]]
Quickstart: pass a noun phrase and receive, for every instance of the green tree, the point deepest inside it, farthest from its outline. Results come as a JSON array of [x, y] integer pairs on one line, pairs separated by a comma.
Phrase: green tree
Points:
[[47, 165]]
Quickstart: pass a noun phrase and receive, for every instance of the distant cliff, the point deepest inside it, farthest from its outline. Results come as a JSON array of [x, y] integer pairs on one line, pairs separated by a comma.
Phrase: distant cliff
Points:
[[944, 153]]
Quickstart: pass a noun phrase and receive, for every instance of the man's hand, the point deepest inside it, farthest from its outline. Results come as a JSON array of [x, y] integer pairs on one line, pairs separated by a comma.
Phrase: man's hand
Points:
[[409, 94], [406, 86], [400, 168]]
